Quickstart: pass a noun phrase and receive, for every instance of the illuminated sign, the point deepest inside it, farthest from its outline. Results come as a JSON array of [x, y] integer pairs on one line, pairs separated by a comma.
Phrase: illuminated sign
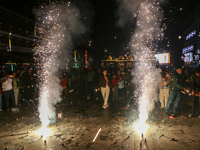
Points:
[[188, 57], [163, 58], [191, 34], [188, 49]]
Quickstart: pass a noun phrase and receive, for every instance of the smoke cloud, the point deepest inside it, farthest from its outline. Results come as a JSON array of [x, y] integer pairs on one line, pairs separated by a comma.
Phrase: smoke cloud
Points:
[[148, 31], [60, 23]]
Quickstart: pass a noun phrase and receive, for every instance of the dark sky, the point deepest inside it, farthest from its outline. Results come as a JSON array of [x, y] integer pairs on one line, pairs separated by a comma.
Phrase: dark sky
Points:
[[103, 30]]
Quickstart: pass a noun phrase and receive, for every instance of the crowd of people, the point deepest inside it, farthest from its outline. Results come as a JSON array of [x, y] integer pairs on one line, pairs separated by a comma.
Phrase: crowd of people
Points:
[[173, 83], [100, 84], [15, 88]]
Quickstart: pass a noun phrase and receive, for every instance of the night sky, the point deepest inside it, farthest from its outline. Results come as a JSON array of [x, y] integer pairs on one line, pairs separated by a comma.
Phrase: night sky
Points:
[[104, 32]]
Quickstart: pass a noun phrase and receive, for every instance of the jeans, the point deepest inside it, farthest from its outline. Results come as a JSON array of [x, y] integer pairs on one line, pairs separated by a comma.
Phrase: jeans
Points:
[[0, 101], [115, 93], [173, 96], [121, 93], [9, 98], [195, 103]]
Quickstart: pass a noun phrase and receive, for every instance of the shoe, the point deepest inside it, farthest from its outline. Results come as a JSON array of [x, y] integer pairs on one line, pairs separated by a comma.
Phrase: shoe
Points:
[[107, 106], [14, 109], [0, 109], [192, 115], [174, 114], [104, 107], [199, 116], [166, 114]]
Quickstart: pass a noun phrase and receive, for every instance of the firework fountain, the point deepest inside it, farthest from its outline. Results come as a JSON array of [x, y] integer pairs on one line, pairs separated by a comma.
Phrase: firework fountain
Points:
[[148, 31], [58, 22]]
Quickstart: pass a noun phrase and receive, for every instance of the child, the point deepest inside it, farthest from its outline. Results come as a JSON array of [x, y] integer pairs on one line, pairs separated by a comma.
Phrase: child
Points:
[[115, 87], [121, 87]]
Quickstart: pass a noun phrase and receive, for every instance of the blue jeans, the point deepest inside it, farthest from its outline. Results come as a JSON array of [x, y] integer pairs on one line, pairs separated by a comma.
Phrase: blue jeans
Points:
[[0, 101], [9, 98], [173, 96]]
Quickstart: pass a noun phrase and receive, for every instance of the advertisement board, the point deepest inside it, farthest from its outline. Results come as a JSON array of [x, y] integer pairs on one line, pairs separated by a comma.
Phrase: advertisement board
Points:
[[163, 58]]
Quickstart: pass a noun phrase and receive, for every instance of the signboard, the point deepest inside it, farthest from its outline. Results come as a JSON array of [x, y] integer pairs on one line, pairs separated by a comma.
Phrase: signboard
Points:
[[188, 49], [188, 57], [190, 35], [163, 58]]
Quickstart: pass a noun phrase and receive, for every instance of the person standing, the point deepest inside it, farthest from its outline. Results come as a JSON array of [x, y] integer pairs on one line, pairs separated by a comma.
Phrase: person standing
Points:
[[164, 89], [90, 82], [105, 84], [115, 87], [121, 87], [8, 92], [175, 90], [82, 82], [195, 82]]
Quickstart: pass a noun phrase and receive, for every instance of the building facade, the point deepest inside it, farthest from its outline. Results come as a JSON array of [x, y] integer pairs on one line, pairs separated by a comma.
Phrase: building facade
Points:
[[16, 37], [191, 41]]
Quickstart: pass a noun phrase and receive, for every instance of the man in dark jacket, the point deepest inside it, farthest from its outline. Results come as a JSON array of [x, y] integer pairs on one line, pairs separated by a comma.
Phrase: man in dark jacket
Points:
[[195, 82], [175, 90]]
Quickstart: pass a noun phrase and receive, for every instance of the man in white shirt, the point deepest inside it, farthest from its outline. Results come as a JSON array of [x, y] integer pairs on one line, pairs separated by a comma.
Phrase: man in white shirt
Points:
[[7, 92]]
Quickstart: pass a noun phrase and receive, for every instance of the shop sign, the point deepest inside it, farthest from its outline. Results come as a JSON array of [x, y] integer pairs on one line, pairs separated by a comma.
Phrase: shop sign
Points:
[[188, 49], [190, 35]]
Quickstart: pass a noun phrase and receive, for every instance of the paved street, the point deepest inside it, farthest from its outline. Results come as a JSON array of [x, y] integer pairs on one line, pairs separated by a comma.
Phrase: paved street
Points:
[[82, 118]]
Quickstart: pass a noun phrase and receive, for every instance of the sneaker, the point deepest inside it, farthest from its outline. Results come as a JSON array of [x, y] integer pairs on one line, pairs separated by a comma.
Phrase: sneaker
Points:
[[0, 109]]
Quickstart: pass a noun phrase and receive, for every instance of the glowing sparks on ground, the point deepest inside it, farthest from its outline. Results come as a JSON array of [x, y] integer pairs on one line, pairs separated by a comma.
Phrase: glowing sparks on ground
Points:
[[148, 31], [44, 131], [97, 135], [141, 127]]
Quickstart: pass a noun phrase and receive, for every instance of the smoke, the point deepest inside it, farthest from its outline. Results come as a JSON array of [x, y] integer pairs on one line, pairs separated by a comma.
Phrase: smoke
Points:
[[148, 31], [59, 23]]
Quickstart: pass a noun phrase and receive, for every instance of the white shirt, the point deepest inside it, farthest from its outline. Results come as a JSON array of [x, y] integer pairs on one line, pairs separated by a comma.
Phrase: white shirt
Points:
[[6, 86]]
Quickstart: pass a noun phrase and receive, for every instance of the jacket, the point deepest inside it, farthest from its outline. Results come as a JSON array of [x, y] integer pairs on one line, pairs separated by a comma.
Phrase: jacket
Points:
[[176, 81], [195, 82], [102, 82]]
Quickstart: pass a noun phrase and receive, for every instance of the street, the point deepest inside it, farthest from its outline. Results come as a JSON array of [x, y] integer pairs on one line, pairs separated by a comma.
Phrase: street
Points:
[[83, 118]]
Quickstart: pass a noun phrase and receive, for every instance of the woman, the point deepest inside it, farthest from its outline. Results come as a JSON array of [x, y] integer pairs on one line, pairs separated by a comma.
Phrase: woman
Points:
[[105, 84]]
